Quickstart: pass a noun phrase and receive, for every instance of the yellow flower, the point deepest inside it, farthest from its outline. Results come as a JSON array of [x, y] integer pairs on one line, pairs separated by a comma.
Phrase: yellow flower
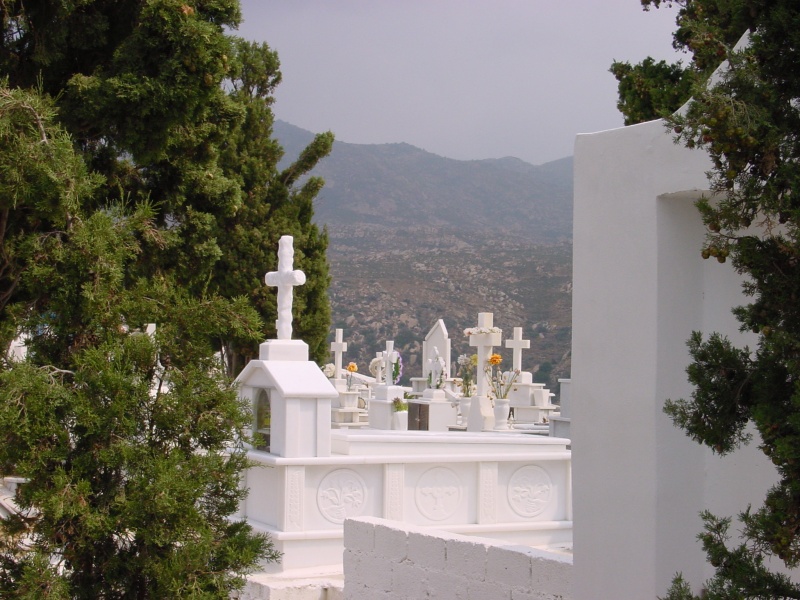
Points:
[[352, 367], [495, 359]]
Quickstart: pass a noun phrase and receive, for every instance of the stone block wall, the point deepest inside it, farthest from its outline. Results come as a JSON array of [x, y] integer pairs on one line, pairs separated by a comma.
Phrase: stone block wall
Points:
[[387, 560]]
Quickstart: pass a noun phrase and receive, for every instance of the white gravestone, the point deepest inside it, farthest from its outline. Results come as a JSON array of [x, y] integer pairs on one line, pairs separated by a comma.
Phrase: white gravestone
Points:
[[517, 344], [483, 338], [380, 407], [521, 393], [338, 347], [389, 360], [441, 412], [436, 344]]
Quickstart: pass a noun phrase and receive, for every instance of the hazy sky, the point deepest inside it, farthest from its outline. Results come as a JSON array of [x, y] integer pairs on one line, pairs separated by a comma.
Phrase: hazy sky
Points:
[[465, 79]]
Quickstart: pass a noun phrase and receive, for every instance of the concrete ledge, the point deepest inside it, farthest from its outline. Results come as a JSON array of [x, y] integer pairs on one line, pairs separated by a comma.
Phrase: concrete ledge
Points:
[[391, 560]]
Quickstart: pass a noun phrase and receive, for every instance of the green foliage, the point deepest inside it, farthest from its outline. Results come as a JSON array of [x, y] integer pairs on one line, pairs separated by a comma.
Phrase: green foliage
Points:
[[272, 207], [746, 119], [42, 183], [717, 413], [135, 159], [740, 572], [131, 446], [707, 29], [650, 90]]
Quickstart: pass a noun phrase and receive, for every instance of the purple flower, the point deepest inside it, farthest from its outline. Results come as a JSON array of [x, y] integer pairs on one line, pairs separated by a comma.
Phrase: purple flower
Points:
[[397, 369]]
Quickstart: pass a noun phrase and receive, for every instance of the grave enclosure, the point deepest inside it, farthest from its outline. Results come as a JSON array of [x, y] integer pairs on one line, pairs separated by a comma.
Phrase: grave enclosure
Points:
[[335, 448]]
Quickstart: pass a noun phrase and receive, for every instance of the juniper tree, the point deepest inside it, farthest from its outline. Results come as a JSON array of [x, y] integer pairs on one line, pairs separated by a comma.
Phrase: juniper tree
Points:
[[130, 444], [124, 161], [747, 120]]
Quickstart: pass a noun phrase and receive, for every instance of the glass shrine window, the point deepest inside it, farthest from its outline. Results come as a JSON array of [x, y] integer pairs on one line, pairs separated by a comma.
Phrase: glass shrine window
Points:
[[263, 419]]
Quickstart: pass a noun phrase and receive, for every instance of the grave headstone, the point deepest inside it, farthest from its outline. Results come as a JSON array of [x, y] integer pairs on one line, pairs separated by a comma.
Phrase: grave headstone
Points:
[[517, 344], [338, 347], [436, 350], [380, 407], [483, 338]]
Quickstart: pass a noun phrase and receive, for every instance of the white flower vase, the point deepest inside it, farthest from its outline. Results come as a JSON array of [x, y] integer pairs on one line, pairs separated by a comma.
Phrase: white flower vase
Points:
[[348, 399], [501, 411], [464, 404], [400, 420]]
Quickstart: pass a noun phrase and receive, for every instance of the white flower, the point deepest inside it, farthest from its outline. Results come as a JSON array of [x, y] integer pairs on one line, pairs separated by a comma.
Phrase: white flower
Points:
[[329, 370], [481, 330], [375, 365]]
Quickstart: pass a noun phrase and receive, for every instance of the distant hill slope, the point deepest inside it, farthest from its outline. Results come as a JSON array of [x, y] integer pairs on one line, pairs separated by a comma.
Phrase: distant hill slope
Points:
[[399, 185], [415, 237]]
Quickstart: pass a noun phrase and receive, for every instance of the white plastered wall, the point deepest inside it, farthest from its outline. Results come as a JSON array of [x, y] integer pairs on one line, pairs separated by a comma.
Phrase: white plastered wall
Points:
[[640, 288]]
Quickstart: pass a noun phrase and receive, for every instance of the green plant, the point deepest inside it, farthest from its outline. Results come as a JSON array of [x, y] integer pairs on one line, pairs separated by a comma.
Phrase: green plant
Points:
[[399, 405]]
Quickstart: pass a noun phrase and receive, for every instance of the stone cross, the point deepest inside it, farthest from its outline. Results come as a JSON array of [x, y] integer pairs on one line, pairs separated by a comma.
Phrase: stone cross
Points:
[[484, 351], [338, 347], [285, 279], [389, 358], [518, 344]]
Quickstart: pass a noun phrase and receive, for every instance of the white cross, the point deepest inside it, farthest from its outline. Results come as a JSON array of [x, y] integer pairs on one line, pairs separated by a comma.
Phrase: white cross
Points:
[[484, 352], [285, 279], [518, 344], [338, 347], [389, 358]]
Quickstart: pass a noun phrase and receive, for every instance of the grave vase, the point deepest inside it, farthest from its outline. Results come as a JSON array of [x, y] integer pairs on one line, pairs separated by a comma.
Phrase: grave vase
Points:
[[464, 403], [348, 399], [501, 410], [400, 420]]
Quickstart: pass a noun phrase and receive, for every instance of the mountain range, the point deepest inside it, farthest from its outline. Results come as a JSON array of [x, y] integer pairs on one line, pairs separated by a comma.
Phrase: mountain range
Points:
[[400, 185], [415, 237]]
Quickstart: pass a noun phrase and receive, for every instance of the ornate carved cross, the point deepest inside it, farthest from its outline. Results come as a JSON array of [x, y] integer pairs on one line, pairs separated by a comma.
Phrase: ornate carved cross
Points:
[[285, 278]]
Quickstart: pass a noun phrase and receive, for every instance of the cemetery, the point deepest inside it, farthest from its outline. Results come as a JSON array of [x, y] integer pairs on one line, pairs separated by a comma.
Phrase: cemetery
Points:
[[334, 450], [636, 482], [465, 481]]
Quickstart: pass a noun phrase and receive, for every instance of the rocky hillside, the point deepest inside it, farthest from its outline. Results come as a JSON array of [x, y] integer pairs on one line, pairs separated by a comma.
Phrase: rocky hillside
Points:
[[415, 237]]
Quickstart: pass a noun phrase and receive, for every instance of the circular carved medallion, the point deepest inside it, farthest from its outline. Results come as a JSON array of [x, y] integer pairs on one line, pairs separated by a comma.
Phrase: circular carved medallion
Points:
[[529, 491], [438, 493], [341, 494]]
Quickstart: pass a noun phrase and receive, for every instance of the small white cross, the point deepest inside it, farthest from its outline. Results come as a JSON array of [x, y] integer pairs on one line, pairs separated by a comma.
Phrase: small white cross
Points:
[[285, 279], [484, 352], [389, 358], [518, 344], [338, 347]]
